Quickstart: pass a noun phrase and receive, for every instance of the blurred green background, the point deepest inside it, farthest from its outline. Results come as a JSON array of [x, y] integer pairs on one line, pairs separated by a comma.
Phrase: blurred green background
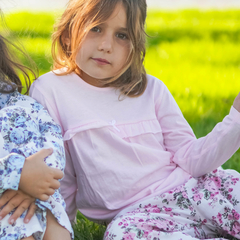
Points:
[[195, 53]]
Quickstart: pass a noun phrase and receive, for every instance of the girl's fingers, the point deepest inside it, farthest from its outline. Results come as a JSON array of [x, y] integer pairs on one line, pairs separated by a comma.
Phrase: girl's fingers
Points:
[[30, 213], [44, 197], [55, 184], [41, 154], [58, 174], [13, 203], [7, 195], [50, 192], [20, 210]]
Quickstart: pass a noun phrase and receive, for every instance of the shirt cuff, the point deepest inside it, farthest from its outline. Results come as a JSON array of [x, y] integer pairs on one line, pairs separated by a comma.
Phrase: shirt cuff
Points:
[[12, 173]]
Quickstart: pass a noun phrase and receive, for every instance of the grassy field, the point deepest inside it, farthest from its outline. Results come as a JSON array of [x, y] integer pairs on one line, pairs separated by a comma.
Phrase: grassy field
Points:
[[195, 53]]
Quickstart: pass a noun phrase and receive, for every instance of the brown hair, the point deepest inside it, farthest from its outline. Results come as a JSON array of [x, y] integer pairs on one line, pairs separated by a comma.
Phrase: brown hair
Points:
[[82, 15], [10, 68]]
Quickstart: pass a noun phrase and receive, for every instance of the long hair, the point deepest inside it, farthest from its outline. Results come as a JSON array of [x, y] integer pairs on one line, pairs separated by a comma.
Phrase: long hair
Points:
[[11, 68], [80, 17]]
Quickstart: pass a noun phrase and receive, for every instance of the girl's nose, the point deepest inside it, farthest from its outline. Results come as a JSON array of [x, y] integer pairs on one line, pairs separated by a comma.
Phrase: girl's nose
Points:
[[106, 44]]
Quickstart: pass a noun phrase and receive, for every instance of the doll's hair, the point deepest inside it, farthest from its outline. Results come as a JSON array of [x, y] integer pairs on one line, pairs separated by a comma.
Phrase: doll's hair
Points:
[[80, 17], [11, 68]]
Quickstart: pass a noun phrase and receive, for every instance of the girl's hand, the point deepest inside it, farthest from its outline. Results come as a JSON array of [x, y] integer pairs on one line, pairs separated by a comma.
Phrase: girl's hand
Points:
[[37, 179], [236, 103], [20, 201]]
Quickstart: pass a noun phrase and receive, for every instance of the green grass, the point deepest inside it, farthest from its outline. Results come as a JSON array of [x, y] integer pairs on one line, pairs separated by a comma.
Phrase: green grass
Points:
[[196, 54]]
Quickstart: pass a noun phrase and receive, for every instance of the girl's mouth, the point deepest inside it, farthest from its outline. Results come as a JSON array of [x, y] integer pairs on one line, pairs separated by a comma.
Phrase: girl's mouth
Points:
[[101, 61]]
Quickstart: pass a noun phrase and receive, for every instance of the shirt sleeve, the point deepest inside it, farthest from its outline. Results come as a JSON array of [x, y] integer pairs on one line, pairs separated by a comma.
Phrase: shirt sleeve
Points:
[[42, 99], [68, 183], [69, 187], [10, 171], [196, 156], [26, 128]]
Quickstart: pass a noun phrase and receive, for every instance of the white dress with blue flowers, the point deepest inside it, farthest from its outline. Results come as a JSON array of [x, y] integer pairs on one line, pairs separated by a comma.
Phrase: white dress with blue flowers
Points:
[[26, 128]]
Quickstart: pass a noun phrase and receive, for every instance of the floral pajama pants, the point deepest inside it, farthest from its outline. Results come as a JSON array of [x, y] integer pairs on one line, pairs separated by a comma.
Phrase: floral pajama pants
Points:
[[207, 207]]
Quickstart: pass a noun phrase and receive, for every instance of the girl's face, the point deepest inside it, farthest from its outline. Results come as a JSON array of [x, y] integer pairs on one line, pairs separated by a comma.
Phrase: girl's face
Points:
[[105, 49]]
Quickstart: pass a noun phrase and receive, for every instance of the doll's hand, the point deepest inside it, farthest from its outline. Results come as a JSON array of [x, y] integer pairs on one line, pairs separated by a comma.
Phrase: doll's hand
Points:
[[236, 103], [37, 179], [19, 201]]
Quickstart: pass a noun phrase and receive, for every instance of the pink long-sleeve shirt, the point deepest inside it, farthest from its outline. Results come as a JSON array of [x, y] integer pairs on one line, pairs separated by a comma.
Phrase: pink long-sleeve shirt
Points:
[[122, 151]]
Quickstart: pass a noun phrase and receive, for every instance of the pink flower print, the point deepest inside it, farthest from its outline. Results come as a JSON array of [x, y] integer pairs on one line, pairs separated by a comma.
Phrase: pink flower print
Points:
[[144, 226], [129, 236], [184, 194], [230, 189], [145, 235], [235, 180], [236, 227], [217, 181], [197, 197], [212, 195], [191, 208], [214, 171], [168, 209], [219, 216], [236, 216], [120, 224], [125, 224], [204, 221], [229, 197], [155, 210]]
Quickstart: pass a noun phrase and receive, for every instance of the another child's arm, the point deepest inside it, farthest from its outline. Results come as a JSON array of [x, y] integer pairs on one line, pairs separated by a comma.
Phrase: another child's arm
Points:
[[37, 180], [197, 156], [39, 131]]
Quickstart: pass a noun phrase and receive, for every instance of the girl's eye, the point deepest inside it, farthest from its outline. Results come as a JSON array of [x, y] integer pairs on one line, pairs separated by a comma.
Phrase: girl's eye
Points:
[[95, 29], [122, 36]]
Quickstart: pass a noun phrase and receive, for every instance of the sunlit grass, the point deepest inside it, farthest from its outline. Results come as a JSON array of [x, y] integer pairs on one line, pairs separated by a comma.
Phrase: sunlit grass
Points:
[[195, 53]]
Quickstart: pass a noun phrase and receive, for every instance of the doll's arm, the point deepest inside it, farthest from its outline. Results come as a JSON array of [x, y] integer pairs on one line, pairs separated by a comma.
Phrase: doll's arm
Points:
[[196, 156]]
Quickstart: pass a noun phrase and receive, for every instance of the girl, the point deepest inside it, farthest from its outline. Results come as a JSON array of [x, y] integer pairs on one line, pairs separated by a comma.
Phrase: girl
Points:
[[26, 128], [132, 159]]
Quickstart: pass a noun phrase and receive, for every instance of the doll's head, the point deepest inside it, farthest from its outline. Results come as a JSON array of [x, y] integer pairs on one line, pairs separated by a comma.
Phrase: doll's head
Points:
[[95, 30]]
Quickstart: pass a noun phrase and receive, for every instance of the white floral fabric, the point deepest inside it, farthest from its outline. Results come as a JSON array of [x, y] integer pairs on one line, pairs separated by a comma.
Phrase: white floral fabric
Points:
[[207, 207], [26, 128]]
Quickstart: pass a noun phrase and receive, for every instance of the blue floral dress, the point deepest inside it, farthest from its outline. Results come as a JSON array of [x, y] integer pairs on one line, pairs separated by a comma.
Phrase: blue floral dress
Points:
[[26, 128]]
